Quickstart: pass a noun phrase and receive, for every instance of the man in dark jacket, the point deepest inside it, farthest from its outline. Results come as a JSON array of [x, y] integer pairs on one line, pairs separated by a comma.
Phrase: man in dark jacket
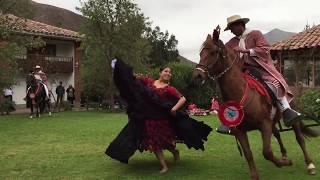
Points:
[[60, 93]]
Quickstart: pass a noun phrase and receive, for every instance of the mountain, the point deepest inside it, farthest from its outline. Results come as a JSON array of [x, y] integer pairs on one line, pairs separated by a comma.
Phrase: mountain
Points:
[[277, 35], [56, 16], [184, 60]]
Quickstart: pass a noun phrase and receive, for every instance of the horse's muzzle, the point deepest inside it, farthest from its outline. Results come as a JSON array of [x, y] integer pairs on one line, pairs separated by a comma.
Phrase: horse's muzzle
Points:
[[198, 77]]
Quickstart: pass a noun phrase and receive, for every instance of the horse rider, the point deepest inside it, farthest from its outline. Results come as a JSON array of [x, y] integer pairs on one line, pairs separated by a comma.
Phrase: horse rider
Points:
[[42, 78], [255, 53]]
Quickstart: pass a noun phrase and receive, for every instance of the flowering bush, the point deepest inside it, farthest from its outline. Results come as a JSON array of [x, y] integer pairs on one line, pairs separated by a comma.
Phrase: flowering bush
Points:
[[309, 102]]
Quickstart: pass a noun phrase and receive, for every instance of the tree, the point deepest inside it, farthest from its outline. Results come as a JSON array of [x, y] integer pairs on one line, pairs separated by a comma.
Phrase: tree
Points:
[[113, 28], [164, 47], [11, 45]]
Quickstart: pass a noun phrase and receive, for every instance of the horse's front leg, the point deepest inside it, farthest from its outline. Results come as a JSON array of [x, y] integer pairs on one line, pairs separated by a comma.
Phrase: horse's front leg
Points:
[[37, 110], [49, 106], [31, 111], [243, 139], [266, 133], [283, 150]]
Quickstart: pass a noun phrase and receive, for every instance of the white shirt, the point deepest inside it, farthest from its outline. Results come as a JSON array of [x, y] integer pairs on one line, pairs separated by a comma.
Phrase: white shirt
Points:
[[242, 43], [8, 92]]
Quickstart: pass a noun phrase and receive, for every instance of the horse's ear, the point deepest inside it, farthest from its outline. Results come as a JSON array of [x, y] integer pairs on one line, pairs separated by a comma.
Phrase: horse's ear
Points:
[[216, 33], [209, 37]]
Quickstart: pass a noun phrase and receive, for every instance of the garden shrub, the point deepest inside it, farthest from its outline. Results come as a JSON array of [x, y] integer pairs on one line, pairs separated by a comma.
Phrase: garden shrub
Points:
[[309, 103]]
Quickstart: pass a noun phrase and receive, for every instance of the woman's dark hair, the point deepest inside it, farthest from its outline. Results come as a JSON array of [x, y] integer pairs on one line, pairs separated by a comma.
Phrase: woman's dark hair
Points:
[[162, 68]]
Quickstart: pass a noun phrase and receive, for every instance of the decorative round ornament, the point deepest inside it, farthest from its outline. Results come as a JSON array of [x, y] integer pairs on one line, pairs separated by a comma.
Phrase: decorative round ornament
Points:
[[231, 114]]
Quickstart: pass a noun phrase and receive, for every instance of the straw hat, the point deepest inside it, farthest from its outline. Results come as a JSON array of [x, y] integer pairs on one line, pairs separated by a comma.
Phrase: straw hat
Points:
[[234, 19], [38, 67]]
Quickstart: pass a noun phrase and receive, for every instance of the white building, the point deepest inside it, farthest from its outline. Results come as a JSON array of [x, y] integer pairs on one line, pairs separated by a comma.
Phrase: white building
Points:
[[59, 59]]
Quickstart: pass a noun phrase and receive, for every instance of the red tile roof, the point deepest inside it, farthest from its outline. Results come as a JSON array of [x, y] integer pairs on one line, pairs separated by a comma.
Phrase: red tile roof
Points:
[[29, 26], [307, 39]]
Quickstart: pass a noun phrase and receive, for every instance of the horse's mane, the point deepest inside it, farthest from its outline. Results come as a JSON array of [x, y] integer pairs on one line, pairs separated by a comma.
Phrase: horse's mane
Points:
[[219, 43]]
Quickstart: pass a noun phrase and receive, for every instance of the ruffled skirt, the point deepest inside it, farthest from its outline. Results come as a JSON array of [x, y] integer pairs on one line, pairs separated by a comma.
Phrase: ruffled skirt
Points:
[[157, 135]]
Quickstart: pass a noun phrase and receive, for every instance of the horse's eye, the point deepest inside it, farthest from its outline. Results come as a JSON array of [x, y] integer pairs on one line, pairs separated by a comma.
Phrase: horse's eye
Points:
[[213, 52]]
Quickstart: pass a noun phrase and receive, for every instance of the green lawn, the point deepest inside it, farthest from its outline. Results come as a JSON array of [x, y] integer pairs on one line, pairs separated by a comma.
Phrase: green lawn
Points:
[[71, 145]]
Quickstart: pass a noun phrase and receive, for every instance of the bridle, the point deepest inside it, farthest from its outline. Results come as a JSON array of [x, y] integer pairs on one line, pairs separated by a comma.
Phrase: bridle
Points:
[[205, 68], [34, 85], [244, 102]]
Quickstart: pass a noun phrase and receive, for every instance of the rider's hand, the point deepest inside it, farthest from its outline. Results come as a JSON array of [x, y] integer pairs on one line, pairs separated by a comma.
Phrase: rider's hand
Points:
[[241, 50]]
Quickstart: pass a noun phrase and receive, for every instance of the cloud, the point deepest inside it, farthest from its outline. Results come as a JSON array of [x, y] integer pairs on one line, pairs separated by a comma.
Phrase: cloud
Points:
[[190, 20]]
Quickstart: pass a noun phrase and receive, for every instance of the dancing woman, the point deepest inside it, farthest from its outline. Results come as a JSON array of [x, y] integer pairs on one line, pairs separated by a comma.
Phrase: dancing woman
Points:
[[155, 119]]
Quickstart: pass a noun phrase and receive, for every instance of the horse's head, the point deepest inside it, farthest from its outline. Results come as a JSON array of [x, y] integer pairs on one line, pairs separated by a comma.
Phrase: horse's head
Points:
[[31, 81], [212, 51]]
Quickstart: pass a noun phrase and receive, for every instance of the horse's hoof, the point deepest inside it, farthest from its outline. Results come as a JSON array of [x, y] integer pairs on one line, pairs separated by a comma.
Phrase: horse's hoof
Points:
[[163, 170], [285, 162], [254, 177], [30, 117], [284, 158], [50, 114], [311, 169]]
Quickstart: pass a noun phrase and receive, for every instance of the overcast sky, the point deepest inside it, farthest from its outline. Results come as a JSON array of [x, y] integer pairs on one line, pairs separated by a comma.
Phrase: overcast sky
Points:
[[191, 20]]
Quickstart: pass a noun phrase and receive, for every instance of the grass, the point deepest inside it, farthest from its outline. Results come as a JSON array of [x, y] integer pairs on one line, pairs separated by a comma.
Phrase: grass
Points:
[[71, 145]]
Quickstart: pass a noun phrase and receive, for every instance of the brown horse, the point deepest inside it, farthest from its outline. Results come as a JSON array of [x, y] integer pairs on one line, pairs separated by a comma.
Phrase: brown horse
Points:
[[219, 63], [36, 97]]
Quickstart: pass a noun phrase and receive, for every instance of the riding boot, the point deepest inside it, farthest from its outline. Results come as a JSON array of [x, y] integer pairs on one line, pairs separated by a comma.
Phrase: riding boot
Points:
[[289, 115], [222, 129]]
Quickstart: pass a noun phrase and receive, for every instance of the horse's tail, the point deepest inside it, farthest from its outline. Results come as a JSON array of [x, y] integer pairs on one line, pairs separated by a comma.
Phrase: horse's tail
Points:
[[308, 132]]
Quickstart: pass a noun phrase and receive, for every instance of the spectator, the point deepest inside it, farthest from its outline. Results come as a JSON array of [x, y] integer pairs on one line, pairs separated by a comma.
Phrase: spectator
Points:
[[192, 108], [214, 106], [8, 93], [70, 94], [60, 93]]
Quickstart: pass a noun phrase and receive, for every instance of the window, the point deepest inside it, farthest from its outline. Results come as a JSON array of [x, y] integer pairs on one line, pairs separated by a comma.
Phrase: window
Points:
[[296, 71], [50, 50], [289, 73]]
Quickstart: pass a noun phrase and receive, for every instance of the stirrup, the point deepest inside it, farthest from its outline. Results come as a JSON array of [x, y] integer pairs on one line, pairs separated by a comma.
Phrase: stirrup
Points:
[[222, 129]]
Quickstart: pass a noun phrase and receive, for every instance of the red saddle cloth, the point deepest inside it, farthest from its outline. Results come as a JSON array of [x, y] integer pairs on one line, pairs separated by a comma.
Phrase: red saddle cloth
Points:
[[255, 84], [231, 113]]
